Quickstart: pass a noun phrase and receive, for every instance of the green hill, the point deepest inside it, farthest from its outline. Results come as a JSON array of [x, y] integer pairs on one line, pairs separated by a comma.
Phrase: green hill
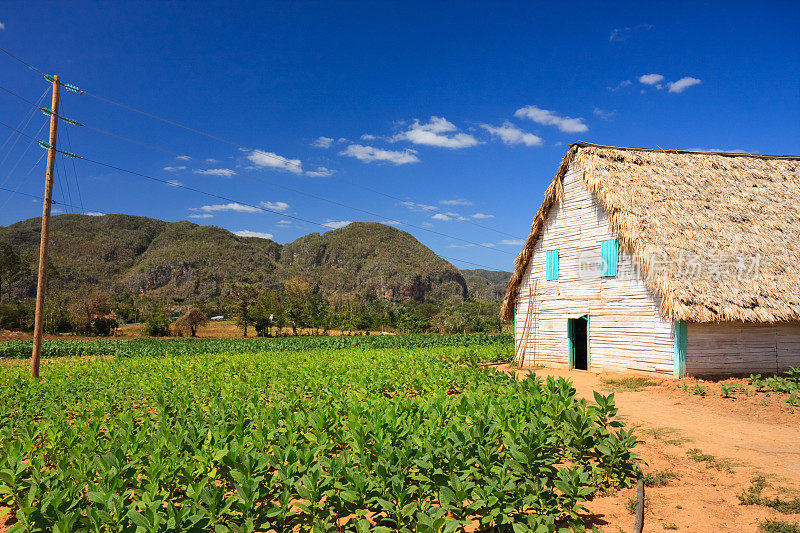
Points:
[[138, 255], [486, 285]]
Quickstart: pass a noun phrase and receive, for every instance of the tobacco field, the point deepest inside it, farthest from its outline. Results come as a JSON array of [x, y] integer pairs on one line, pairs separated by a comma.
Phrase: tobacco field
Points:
[[187, 346], [352, 439]]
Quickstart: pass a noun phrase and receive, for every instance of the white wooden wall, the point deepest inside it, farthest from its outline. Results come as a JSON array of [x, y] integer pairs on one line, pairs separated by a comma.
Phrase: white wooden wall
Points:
[[626, 331], [742, 348]]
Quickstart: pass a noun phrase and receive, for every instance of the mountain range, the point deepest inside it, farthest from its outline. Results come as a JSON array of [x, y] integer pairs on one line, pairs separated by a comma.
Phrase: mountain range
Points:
[[128, 254]]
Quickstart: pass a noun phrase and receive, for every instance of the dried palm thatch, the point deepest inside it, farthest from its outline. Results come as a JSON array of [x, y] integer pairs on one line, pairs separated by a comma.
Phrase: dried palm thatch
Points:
[[734, 218]]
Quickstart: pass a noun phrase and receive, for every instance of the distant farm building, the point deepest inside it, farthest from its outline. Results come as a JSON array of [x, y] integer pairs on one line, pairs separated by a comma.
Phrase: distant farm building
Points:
[[664, 262]]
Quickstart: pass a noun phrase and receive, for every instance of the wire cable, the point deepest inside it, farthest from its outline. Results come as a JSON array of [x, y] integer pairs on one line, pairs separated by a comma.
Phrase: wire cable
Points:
[[421, 228], [28, 147], [371, 213], [29, 195], [21, 61], [282, 160], [2, 207], [276, 157], [74, 169], [12, 191], [26, 119], [219, 196]]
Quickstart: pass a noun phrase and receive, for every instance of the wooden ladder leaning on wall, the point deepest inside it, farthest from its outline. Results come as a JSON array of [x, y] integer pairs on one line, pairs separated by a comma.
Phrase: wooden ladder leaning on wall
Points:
[[531, 323]]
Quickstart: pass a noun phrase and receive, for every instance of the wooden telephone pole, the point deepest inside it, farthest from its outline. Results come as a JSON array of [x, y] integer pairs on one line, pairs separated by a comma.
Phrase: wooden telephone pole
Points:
[[41, 285]]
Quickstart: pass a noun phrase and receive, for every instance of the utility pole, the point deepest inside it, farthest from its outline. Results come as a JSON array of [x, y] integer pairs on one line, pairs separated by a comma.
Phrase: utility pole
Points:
[[41, 285]]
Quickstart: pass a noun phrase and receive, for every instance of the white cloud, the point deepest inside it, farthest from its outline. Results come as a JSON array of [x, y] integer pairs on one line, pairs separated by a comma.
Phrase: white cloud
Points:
[[456, 201], [550, 118], [732, 151], [482, 216], [426, 225], [201, 215], [438, 132], [651, 79], [174, 183], [2, 25], [622, 34], [276, 206], [602, 113], [212, 161], [260, 158], [682, 84], [224, 172], [321, 172], [322, 142], [446, 217], [512, 242], [369, 154], [284, 223], [392, 222], [418, 207], [620, 85], [488, 244], [248, 233], [183, 158], [233, 206], [336, 224], [174, 169], [368, 137], [95, 213], [510, 134]]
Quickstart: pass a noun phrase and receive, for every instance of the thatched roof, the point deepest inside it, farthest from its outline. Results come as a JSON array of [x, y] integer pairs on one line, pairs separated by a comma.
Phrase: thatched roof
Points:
[[697, 224]]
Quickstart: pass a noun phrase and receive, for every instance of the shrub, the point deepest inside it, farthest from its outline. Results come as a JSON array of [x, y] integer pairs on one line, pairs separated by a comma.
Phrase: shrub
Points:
[[157, 326]]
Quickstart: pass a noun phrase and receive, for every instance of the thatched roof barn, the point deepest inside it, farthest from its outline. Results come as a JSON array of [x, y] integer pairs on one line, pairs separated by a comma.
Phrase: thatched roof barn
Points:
[[706, 238]]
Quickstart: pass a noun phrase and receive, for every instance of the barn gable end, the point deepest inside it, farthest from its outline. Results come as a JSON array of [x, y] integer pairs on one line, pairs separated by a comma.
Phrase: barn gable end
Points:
[[623, 314]]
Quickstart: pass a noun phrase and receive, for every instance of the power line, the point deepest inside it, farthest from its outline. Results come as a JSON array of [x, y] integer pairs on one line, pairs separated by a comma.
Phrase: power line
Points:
[[21, 61], [26, 119], [227, 199], [371, 213], [74, 168], [283, 160], [21, 157], [214, 195], [310, 195], [37, 197], [15, 191], [81, 207], [276, 157]]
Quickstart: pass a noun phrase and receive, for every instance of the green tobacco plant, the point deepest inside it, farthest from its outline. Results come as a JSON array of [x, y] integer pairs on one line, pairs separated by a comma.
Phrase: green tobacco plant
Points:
[[407, 434]]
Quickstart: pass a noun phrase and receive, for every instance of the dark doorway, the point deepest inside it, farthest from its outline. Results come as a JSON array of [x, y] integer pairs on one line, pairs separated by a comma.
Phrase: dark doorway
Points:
[[578, 331]]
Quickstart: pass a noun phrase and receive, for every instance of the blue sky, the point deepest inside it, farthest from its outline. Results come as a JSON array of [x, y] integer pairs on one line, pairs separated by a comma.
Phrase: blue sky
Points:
[[458, 113]]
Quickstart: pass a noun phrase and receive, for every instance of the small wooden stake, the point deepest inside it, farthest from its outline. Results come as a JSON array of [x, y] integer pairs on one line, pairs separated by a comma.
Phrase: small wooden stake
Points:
[[41, 285]]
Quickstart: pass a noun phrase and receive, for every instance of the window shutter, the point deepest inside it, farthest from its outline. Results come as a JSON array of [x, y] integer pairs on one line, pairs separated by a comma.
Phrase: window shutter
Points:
[[609, 250], [551, 269]]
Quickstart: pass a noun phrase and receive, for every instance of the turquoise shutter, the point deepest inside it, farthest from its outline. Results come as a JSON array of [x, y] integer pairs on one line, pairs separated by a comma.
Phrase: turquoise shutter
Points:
[[609, 250], [679, 349], [551, 270]]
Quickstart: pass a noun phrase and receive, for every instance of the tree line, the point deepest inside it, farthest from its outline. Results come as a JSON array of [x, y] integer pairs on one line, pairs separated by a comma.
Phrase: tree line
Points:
[[295, 307]]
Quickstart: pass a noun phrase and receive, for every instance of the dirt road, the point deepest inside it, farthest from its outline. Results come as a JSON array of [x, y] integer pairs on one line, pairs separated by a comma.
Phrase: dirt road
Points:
[[747, 436]]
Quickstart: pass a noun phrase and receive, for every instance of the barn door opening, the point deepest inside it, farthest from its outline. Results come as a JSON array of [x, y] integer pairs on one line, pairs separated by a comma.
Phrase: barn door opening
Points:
[[578, 332]]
